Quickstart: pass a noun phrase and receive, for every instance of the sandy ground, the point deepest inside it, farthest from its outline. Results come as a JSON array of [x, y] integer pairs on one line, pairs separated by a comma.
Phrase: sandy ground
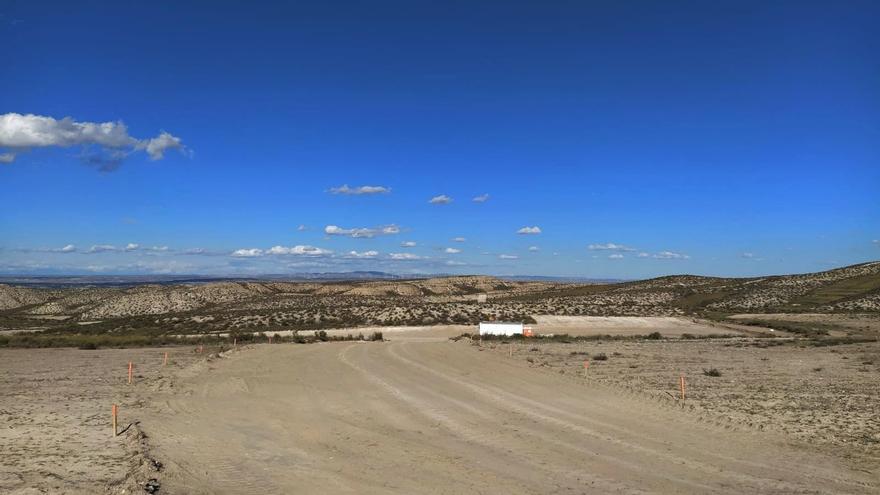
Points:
[[825, 396], [413, 416], [851, 323], [668, 326], [55, 430]]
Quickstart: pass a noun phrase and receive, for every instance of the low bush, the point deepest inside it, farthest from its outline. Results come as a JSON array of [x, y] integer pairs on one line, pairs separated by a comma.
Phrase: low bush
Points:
[[711, 372]]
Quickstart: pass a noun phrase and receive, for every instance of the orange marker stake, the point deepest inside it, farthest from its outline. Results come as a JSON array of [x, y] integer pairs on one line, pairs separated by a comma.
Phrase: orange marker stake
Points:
[[129, 372], [165, 362], [113, 413], [681, 381]]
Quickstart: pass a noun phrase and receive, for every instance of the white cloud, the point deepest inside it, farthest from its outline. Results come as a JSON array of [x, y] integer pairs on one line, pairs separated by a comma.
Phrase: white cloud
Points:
[[455, 263], [160, 249], [298, 250], [362, 232], [132, 247], [67, 249], [481, 198], [747, 255], [102, 248], [405, 256], [534, 248], [301, 228], [362, 254], [644, 255], [450, 250], [669, 255], [157, 146], [22, 132], [529, 230], [458, 239], [508, 257], [408, 244], [361, 190], [440, 200], [609, 247], [615, 256], [247, 253], [876, 241]]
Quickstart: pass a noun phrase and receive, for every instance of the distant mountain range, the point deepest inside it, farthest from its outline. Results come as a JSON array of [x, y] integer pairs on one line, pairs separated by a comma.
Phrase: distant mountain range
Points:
[[133, 280]]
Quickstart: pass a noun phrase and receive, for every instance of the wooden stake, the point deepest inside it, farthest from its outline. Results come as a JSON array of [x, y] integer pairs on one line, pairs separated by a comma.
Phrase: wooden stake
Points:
[[586, 367], [165, 362], [234, 342], [129, 372], [510, 348], [681, 381], [113, 413]]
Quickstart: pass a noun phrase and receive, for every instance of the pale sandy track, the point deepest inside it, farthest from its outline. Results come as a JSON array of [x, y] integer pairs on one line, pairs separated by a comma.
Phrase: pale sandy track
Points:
[[438, 417]]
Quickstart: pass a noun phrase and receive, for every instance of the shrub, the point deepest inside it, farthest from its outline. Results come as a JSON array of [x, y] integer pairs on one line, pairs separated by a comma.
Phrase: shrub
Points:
[[377, 337], [600, 357], [654, 336], [711, 372]]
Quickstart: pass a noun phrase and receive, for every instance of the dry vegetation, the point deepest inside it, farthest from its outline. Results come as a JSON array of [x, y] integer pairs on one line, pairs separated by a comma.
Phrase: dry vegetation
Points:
[[156, 313]]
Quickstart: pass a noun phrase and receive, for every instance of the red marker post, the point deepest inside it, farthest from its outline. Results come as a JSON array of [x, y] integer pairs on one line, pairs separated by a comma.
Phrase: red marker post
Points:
[[114, 412], [683, 386], [129, 372], [165, 362]]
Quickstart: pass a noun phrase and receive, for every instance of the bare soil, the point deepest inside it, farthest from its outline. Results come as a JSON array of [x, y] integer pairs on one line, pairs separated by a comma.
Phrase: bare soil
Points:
[[55, 428], [422, 414]]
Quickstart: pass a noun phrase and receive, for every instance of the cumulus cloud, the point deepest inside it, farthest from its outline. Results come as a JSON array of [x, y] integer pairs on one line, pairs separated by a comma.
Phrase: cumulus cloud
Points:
[[508, 257], [458, 239], [610, 246], [298, 250], [482, 198], [247, 253], [408, 244], [132, 247], [534, 248], [450, 250], [529, 230], [615, 256], [157, 146], [405, 256], [644, 255], [362, 254], [440, 200], [102, 248], [362, 232], [669, 255], [67, 249], [358, 191], [20, 133]]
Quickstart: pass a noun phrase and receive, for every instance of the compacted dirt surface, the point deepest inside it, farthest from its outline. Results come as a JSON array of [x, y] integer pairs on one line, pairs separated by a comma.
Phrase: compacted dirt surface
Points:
[[421, 416]]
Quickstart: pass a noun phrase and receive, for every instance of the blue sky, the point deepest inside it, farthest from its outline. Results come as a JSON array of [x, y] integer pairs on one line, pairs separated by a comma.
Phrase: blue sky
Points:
[[641, 138]]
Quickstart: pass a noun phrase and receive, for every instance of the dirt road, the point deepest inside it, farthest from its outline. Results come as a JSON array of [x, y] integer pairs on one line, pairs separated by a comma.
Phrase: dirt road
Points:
[[440, 417]]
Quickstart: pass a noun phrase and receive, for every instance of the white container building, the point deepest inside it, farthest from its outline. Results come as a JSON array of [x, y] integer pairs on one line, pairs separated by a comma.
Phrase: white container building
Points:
[[500, 328]]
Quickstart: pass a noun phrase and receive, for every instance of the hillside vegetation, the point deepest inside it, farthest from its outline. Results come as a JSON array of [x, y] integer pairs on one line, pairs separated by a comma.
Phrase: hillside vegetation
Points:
[[198, 308]]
